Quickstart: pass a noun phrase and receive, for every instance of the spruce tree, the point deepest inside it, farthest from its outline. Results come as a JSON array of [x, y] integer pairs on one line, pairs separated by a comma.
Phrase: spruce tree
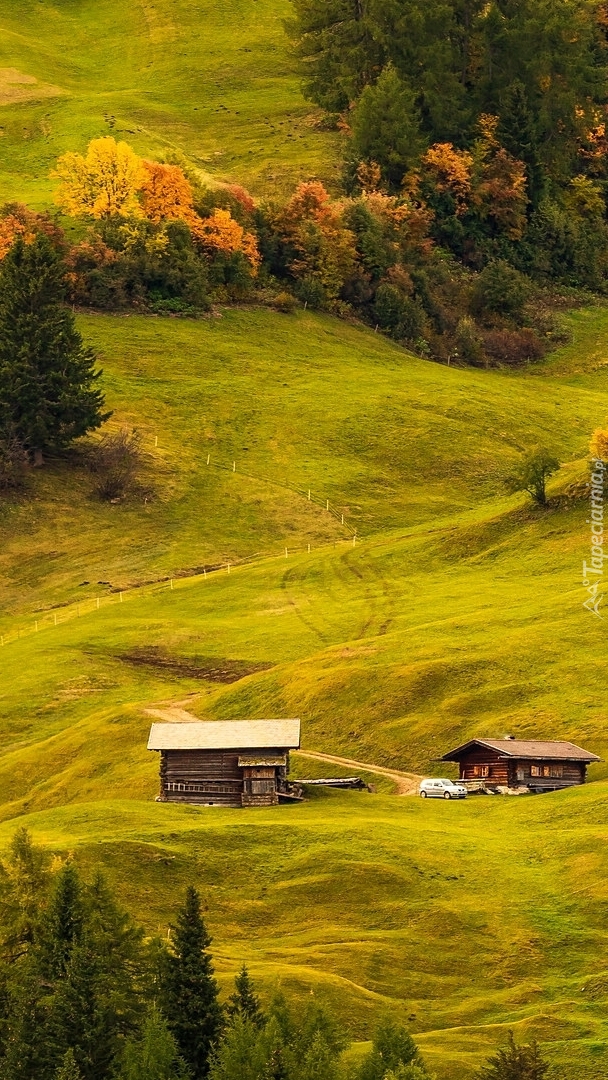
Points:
[[63, 925], [68, 1070], [81, 1017], [517, 134], [48, 392], [189, 991], [244, 1001], [386, 127], [154, 1055]]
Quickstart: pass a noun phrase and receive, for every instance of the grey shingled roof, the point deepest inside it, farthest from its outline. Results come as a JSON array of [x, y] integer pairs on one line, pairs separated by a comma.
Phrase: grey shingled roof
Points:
[[524, 748], [226, 735]]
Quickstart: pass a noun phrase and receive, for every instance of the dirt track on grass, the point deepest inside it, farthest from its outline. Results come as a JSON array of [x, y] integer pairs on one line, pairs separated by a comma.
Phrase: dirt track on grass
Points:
[[405, 782]]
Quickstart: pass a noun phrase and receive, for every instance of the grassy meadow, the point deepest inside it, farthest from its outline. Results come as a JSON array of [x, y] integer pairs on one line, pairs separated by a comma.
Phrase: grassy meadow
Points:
[[214, 82], [458, 611]]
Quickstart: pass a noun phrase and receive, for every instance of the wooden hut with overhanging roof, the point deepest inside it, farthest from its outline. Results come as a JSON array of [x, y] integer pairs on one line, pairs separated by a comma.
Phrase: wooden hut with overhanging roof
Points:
[[225, 762], [522, 763]]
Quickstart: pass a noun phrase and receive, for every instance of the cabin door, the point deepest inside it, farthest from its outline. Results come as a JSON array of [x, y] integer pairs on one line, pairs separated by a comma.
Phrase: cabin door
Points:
[[520, 774]]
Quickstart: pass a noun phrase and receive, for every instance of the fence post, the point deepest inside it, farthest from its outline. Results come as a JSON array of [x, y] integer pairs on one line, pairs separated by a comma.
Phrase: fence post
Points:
[[55, 619], [309, 494], [171, 583], [208, 458], [98, 603], [156, 440], [309, 549], [120, 595], [285, 552], [234, 466], [342, 519], [204, 573], [36, 625], [327, 506]]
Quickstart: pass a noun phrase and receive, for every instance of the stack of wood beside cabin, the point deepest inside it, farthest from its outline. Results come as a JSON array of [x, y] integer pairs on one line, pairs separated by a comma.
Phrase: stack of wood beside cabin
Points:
[[517, 763], [224, 763]]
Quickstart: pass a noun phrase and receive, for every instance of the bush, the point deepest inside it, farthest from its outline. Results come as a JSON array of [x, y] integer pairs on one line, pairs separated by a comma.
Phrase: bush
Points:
[[401, 316], [500, 290], [285, 302], [513, 346], [470, 344], [117, 461], [311, 292]]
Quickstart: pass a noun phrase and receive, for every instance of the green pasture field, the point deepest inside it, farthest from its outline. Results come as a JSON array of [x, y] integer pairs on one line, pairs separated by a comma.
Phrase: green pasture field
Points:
[[457, 612], [214, 82]]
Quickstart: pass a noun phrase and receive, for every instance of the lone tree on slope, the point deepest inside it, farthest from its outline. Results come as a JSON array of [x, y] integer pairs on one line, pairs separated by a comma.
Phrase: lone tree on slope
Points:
[[48, 392], [532, 473]]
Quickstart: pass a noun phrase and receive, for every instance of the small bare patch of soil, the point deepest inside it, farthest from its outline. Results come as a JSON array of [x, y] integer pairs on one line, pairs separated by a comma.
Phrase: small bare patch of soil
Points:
[[16, 87], [210, 668]]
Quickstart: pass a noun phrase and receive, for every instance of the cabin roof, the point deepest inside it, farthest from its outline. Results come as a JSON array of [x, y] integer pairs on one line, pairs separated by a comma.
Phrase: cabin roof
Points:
[[226, 735], [523, 748]]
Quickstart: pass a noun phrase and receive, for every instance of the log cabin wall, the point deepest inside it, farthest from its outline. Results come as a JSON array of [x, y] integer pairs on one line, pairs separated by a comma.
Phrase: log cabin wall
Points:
[[488, 765], [485, 765], [214, 777]]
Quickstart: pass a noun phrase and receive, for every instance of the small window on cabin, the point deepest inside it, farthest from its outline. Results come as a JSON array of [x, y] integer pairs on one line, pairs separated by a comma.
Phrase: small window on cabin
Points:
[[556, 770], [535, 770], [481, 770]]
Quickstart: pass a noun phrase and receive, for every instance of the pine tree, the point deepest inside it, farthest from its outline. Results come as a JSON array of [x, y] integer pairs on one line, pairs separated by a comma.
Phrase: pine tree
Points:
[[386, 127], [81, 1018], [514, 1062], [63, 925], [240, 1055], [392, 1047], [517, 135], [189, 991], [68, 1070], [48, 394], [244, 1002], [153, 1056]]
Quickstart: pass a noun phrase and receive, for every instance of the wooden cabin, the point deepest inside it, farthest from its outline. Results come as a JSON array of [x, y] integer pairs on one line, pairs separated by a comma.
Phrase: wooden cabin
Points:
[[518, 763], [224, 762]]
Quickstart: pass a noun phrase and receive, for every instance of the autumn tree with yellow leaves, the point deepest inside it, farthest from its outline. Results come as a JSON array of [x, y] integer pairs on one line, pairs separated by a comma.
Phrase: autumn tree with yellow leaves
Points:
[[102, 183]]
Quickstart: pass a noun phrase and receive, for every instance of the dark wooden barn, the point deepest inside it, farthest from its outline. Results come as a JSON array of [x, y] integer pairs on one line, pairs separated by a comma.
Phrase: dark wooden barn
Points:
[[225, 763], [517, 763]]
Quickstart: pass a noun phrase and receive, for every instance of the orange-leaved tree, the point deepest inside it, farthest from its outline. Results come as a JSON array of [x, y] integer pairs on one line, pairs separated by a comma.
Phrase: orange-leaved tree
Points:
[[166, 193], [499, 182], [450, 171], [220, 233], [16, 220], [322, 248], [101, 183]]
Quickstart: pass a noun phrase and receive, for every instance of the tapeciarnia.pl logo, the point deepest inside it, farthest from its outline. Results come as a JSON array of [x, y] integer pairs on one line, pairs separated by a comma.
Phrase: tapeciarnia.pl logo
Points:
[[593, 572]]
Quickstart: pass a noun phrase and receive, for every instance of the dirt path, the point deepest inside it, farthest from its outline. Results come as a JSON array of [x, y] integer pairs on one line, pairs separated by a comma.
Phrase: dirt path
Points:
[[406, 783]]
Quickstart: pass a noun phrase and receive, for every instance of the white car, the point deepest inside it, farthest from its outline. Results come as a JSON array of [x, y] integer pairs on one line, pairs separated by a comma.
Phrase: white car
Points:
[[440, 788]]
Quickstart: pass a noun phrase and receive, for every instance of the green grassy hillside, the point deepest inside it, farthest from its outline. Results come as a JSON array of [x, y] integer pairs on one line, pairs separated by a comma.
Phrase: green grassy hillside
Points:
[[393, 442], [212, 81], [458, 613]]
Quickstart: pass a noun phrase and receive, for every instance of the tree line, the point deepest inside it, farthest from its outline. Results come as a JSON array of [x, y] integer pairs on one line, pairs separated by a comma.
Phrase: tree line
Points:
[[449, 262], [85, 995]]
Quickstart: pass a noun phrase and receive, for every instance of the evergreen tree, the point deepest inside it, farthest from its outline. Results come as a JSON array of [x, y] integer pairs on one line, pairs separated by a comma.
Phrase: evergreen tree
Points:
[[189, 991], [24, 884], [392, 1047], [517, 135], [240, 1054], [386, 127], [320, 1061], [63, 925], [153, 1056], [68, 1070], [47, 379], [514, 1062], [81, 1017], [244, 1002]]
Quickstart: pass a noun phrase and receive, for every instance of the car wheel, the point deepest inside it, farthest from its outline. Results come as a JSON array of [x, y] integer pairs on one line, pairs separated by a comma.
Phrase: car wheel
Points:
[[447, 795], [423, 794]]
